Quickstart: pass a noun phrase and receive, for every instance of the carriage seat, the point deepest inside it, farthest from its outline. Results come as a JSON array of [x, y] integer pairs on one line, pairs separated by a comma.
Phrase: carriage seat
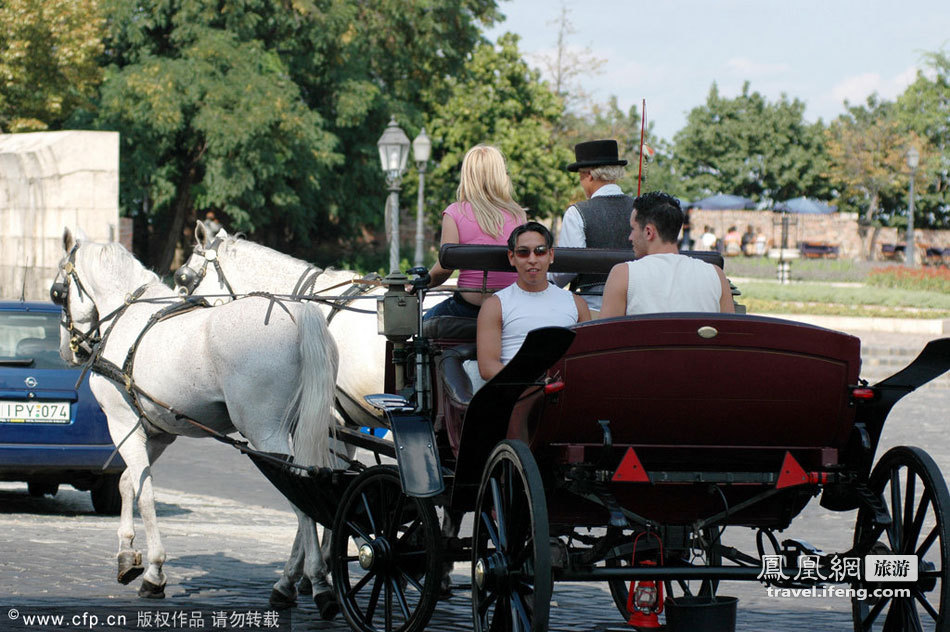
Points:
[[455, 381], [450, 328]]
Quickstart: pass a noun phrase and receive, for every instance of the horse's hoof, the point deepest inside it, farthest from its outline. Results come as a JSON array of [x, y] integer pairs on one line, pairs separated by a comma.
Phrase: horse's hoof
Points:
[[148, 590], [327, 605], [304, 586], [445, 588], [130, 566], [280, 601]]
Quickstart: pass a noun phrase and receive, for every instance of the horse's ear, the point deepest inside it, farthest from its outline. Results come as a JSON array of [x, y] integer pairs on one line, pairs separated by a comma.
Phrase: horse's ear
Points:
[[68, 240], [223, 234], [201, 233]]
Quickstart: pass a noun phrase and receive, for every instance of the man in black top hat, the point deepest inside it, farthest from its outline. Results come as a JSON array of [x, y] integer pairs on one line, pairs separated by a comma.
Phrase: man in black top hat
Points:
[[601, 221]]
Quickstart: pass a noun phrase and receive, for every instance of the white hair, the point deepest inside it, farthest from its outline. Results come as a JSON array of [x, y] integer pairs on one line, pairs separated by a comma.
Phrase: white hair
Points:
[[607, 173]]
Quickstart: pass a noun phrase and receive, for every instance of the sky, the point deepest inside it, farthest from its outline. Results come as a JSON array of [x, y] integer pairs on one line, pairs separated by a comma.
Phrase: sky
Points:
[[671, 51]]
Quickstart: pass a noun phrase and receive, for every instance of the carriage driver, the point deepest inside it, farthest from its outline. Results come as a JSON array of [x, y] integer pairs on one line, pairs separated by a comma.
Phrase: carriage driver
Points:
[[531, 302], [661, 279]]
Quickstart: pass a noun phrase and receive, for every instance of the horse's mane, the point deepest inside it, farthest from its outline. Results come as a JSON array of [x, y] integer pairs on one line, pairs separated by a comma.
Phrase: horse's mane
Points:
[[115, 266], [279, 258]]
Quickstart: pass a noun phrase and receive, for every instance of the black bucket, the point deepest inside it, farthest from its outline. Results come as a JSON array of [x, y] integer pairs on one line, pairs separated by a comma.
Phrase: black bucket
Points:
[[701, 614]]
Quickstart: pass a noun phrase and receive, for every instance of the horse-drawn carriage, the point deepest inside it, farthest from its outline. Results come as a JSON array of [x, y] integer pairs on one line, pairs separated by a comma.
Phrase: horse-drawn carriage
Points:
[[618, 451]]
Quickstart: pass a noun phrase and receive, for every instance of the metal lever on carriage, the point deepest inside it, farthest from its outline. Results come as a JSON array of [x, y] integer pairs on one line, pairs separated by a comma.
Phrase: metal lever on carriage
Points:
[[419, 286], [606, 454]]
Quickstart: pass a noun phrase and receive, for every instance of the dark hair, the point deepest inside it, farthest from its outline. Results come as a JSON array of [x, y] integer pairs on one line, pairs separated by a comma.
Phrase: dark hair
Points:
[[663, 211], [530, 227]]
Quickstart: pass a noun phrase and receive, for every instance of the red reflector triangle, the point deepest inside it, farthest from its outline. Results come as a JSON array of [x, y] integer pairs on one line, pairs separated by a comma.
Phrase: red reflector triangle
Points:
[[791, 473], [630, 469]]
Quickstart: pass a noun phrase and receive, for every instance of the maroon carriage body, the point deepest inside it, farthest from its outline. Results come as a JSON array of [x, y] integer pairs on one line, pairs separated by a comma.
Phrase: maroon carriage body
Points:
[[696, 394]]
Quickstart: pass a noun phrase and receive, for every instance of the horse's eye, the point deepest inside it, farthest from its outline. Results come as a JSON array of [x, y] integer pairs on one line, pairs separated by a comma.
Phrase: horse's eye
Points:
[[57, 293]]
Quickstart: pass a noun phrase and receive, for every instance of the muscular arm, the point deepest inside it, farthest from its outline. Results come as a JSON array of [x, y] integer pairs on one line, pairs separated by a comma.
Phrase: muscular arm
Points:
[[615, 292], [583, 312], [489, 338], [450, 235], [726, 305]]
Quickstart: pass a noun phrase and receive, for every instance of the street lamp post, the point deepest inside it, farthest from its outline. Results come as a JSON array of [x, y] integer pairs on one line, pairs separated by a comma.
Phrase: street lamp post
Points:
[[393, 153], [913, 159], [421, 148]]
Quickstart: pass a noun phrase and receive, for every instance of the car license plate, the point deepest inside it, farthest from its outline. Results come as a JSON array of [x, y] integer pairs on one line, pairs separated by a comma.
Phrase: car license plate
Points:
[[12, 412]]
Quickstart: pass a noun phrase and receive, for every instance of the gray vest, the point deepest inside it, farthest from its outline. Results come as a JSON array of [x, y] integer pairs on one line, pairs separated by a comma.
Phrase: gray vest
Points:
[[606, 225]]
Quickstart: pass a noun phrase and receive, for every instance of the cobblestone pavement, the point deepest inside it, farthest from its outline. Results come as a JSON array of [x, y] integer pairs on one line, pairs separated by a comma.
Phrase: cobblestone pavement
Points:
[[57, 556]]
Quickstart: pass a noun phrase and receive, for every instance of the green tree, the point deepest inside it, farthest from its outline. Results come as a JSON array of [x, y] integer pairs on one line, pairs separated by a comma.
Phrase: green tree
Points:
[[748, 146], [501, 101], [867, 147], [49, 53], [924, 108], [268, 111]]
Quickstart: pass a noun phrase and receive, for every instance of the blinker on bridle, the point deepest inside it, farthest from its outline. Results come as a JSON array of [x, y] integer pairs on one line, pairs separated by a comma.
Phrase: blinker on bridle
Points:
[[189, 279], [59, 294]]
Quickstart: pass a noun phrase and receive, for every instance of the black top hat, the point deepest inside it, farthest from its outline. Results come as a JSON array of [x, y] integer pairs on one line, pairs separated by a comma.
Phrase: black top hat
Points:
[[595, 153]]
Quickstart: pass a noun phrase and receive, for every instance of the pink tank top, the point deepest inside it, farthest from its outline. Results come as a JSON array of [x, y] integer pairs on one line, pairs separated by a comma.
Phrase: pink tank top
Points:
[[470, 233]]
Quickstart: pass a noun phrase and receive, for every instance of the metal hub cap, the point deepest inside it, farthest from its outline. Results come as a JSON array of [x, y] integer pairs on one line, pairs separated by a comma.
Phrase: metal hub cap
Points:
[[366, 556], [480, 574]]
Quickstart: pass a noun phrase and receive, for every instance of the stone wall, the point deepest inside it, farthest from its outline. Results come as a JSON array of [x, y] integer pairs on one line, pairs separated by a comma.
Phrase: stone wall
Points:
[[837, 229], [48, 181]]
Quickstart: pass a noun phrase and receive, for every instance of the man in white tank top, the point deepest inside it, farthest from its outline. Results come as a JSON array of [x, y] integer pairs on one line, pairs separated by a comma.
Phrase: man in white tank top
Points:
[[508, 315], [661, 279]]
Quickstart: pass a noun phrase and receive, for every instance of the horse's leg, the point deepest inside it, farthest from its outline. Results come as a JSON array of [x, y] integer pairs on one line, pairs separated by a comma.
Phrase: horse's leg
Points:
[[315, 568], [284, 593], [153, 582], [129, 560]]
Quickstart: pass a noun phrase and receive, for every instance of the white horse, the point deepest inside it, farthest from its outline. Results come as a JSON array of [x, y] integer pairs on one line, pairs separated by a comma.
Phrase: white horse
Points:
[[266, 370], [237, 266]]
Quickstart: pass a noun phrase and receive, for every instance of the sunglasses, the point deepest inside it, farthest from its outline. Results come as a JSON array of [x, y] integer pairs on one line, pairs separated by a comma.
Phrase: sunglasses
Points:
[[524, 252]]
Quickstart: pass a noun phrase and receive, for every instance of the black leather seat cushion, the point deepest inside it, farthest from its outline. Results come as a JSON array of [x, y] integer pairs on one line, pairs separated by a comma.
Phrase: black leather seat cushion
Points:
[[456, 382]]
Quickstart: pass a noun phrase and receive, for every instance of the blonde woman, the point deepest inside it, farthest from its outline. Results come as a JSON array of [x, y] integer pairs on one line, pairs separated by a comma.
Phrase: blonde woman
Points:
[[484, 214]]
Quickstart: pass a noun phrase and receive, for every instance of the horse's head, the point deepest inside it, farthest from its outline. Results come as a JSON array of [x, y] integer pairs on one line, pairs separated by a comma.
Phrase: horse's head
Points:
[[203, 269], [79, 329]]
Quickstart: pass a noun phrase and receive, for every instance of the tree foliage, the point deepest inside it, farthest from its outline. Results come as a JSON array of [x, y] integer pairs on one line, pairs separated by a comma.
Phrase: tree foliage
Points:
[[501, 101], [268, 111], [49, 62], [748, 146]]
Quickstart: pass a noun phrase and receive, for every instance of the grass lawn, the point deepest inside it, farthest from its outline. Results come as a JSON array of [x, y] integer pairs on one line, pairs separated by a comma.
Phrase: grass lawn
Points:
[[825, 298]]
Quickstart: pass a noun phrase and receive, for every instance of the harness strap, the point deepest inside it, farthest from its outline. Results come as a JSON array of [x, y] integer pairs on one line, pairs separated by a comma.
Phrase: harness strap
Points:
[[307, 280], [351, 293]]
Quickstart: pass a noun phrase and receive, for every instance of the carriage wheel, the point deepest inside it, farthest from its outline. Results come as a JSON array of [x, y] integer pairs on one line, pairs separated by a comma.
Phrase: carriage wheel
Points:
[[712, 556], [511, 561], [387, 554], [915, 494]]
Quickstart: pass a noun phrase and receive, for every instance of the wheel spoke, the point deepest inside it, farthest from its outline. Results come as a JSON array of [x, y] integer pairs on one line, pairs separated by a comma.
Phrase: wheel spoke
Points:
[[911, 618], [873, 614], [388, 604], [909, 492], [499, 515], [369, 513], [894, 531], [486, 603], [393, 526], [913, 532], [893, 622], [409, 530], [490, 528], [358, 530], [929, 540], [922, 600], [411, 580], [501, 616], [400, 598], [373, 601], [358, 586], [522, 619]]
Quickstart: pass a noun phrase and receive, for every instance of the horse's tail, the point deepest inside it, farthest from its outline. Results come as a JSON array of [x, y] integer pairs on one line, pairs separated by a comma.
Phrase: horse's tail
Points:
[[313, 402]]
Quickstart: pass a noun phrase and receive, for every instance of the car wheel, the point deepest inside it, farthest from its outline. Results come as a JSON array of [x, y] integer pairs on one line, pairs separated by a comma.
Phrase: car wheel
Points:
[[106, 499], [37, 489]]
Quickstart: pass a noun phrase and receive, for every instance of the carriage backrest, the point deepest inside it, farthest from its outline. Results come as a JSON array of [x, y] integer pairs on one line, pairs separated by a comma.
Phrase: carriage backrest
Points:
[[580, 260], [705, 380]]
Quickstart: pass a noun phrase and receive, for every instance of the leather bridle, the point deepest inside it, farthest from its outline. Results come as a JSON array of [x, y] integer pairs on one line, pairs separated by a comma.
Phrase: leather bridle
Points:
[[189, 279], [81, 343]]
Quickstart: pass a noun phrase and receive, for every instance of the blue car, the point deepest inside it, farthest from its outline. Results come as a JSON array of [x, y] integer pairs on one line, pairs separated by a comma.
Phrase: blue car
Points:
[[50, 432]]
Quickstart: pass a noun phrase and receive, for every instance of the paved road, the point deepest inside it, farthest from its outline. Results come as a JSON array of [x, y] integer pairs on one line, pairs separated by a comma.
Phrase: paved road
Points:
[[227, 533]]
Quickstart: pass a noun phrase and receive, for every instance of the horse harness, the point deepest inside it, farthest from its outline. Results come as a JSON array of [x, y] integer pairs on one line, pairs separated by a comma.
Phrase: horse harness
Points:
[[189, 279]]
